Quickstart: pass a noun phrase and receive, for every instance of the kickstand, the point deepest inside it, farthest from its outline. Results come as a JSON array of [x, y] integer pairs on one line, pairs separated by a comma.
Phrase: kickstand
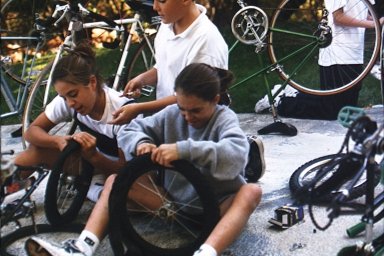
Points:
[[278, 127]]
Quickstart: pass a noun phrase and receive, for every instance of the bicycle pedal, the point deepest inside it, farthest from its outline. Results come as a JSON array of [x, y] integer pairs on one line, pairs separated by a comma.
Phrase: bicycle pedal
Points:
[[147, 90]]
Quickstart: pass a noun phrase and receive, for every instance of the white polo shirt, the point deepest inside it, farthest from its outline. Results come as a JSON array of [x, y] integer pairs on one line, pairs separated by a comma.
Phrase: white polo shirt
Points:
[[200, 42], [57, 111]]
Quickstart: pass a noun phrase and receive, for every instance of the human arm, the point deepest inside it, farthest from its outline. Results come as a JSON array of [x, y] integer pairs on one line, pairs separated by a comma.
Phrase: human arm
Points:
[[130, 111], [165, 154], [95, 157], [342, 19], [147, 78], [144, 148], [141, 135], [37, 134]]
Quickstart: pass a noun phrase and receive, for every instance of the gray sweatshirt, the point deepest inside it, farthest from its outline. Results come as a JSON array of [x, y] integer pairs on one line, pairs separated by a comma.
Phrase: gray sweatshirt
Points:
[[219, 150]]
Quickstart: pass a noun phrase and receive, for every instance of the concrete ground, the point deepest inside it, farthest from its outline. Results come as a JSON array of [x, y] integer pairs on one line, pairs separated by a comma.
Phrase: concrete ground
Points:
[[283, 156]]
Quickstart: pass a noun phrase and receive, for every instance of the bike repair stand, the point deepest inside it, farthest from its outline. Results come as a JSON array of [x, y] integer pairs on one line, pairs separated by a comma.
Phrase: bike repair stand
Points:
[[277, 127]]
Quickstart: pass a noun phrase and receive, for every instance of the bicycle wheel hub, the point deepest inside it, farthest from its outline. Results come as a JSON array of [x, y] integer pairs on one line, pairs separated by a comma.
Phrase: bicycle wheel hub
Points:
[[166, 211]]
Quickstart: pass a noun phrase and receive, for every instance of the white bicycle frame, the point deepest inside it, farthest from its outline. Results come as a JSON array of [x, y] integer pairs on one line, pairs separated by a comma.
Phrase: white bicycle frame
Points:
[[74, 26]]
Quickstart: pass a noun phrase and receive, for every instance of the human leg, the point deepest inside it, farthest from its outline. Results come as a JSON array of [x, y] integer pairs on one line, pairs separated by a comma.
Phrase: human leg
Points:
[[97, 185], [92, 234], [36, 156], [235, 212], [32, 156], [306, 106], [98, 221]]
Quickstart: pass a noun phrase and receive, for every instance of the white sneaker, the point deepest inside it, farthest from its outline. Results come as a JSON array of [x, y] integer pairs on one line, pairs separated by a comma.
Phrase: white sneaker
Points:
[[376, 71], [289, 91], [97, 185], [263, 104], [38, 246]]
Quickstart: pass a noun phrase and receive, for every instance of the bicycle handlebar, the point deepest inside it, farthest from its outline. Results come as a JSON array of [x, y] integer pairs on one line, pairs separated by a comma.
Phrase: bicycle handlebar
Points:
[[71, 10]]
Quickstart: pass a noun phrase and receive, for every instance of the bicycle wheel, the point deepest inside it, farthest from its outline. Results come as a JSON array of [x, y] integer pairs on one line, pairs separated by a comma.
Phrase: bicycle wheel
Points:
[[67, 186], [143, 59], [19, 68], [36, 103], [13, 243], [21, 44], [307, 174], [18, 15], [296, 41], [167, 225]]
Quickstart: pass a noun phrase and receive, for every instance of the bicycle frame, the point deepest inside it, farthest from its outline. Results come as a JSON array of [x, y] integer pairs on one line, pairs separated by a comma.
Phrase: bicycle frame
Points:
[[369, 144], [24, 207], [43, 92], [294, 45], [16, 104], [69, 42]]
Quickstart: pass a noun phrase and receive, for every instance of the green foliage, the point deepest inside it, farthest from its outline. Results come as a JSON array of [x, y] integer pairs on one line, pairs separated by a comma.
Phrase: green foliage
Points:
[[243, 61]]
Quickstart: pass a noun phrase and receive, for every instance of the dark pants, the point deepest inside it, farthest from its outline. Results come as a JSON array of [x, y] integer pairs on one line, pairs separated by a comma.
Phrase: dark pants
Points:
[[305, 106]]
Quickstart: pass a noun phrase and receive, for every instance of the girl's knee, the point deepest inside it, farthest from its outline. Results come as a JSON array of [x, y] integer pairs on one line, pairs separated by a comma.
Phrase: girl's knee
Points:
[[109, 182], [251, 193], [107, 188]]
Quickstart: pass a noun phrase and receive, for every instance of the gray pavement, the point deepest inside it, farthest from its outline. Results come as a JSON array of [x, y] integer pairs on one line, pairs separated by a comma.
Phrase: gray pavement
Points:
[[283, 156]]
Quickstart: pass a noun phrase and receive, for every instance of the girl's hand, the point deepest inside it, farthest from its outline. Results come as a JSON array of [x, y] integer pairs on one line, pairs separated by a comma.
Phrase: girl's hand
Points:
[[62, 141], [145, 148], [165, 154], [132, 89], [88, 144], [125, 114]]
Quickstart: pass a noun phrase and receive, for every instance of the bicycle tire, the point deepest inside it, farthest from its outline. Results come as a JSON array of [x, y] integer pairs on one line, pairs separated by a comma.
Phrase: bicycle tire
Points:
[[63, 186], [142, 60], [27, 231], [18, 71], [298, 70], [136, 224], [308, 171], [17, 16], [13, 76], [36, 104], [17, 22], [19, 60]]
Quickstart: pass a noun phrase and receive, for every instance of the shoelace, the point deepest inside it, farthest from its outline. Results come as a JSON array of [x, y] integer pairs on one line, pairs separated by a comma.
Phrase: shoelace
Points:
[[70, 247]]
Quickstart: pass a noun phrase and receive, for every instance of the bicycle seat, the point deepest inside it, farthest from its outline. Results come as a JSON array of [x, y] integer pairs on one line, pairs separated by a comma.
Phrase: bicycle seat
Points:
[[279, 127], [145, 6]]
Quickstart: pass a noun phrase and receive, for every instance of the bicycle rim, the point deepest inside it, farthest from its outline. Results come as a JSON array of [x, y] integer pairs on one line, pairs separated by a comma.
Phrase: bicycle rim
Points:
[[17, 16], [294, 46], [67, 186], [308, 172], [20, 40], [143, 59], [37, 102]]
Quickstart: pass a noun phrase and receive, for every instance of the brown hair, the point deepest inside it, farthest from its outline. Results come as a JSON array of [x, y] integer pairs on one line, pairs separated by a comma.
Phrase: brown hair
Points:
[[204, 81], [77, 67]]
